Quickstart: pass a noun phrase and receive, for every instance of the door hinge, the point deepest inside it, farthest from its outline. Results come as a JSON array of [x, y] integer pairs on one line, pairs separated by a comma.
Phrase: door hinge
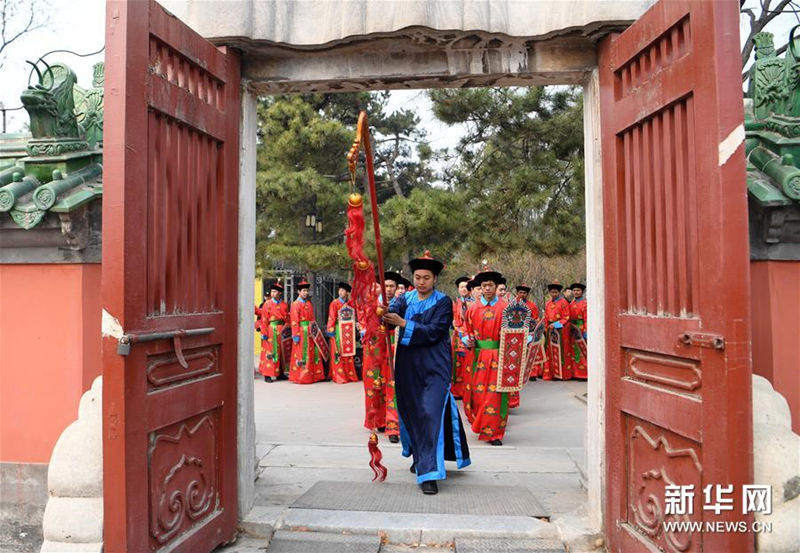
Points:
[[702, 340]]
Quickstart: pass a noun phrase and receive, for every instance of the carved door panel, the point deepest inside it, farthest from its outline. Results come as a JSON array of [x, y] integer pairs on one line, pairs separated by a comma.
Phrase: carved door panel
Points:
[[676, 256], [169, 284]]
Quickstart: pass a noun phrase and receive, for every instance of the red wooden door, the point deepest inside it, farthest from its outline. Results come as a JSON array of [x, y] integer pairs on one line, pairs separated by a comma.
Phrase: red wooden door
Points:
[[676, 256], [169, 266]]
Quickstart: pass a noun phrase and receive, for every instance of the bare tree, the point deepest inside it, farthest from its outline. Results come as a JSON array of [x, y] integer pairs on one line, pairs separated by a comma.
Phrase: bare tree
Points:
[[19, 18], [760, 13]]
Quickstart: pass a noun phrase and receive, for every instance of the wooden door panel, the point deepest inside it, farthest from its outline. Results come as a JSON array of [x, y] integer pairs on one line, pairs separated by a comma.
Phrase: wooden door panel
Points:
[[678, 377], [169, 280]]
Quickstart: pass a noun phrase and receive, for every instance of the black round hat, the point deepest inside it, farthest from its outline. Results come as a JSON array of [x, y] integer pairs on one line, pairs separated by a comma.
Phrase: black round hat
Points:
[[485, 275], [391, 275], [461, 279], [426, 262], [577, 285], [345, 286], [523, 287], [303, 284], [555, 286], [276, 286]]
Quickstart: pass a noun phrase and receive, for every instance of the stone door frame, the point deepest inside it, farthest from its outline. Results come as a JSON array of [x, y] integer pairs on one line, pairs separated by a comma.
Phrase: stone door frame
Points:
[[594, 440]]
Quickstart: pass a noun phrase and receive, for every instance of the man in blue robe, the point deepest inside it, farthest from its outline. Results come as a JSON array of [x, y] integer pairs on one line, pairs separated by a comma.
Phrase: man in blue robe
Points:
[[430, 425]]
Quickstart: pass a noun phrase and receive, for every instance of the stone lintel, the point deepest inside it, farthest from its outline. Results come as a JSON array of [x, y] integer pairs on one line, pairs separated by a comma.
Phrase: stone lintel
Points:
[[417, 58]]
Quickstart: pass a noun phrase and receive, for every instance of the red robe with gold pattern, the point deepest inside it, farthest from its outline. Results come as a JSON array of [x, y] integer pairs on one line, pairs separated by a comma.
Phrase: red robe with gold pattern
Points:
[[462, 356], [274, 316], [306, 365], [342, 369], [575, 358], [486, 408], [556, 312], [380, 409]]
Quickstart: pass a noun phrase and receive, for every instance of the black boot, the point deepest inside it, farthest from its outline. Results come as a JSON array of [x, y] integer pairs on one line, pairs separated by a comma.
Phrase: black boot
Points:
[[495, 442], [429, 487], [413, 468], [269, 379], [381, 429], [394, 438]]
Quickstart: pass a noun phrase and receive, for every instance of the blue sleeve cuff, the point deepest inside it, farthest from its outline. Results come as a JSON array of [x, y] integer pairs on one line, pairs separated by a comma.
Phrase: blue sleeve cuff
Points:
[[465, 340], [530, 339], [407, 332]]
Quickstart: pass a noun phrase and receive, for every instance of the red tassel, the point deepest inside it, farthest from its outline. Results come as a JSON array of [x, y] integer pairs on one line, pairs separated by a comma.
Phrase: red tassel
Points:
[[365, 294], [375, 457]]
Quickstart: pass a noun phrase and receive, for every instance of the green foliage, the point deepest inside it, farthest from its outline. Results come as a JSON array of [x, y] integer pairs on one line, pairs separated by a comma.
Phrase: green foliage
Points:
[[520, 167]]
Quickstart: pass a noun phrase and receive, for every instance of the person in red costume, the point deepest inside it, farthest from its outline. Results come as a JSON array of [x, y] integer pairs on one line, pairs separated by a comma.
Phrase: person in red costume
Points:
[[576, 356], [556, 313], [274, 315], [306, 364], [342, 368], [461, 361], [487, 408]]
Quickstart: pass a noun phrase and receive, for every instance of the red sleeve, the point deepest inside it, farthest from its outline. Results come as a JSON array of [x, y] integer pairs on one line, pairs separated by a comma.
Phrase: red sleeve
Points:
[[295, 315], [564, 319], [333, 314]]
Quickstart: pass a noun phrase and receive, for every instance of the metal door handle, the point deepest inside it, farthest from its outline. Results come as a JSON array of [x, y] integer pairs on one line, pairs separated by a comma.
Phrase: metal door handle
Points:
[[702, 340], [130, 338]]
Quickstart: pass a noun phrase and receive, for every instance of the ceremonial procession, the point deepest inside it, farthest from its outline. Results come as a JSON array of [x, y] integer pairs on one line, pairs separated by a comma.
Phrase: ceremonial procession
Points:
[[315, 276]]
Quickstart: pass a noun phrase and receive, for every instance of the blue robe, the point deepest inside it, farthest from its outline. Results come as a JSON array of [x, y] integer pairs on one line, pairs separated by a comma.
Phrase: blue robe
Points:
[[430, 425]]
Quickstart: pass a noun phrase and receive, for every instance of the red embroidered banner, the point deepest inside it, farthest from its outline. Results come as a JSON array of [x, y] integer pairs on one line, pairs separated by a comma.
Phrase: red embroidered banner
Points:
[[319, 340], [347, 331], [554, 353], [536, 353], [513, 347], [286, 344]]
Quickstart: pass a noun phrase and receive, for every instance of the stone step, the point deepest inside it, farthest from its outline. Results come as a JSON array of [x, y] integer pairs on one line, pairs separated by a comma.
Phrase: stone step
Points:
[[320, 542], [505, 545]]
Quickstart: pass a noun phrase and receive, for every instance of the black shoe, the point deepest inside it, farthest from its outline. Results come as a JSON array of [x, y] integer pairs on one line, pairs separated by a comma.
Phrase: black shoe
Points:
[[381, 429], [283, 377], [394, 438], [413, 468], [495, 442], [269, 379], [429, 487]]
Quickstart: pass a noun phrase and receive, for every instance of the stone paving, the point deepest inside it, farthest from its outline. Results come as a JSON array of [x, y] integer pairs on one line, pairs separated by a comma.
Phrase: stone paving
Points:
[[313, 433]]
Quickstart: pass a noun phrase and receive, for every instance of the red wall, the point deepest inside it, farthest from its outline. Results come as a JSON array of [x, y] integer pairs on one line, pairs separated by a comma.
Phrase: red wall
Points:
[[776, 328], [49, 353]]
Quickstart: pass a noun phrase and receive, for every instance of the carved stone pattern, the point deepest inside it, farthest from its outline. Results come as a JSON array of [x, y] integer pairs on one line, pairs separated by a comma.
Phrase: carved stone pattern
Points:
[[786, 127], [183, 477], [164, 369], [654, 464], [55, 148]]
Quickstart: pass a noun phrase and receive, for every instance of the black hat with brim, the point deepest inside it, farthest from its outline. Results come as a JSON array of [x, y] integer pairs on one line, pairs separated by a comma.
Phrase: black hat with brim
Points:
[[502, 280], [577, 285], [405, 282], [483, 276], [345, 286], [461, 279], [427, 263], [555, 286], [471, 284], [522, 287], [303, 284], [276, 286], [391, 275]]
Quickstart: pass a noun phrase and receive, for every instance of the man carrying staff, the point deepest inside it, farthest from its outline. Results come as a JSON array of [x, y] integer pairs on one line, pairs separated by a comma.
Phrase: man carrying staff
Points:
[[274, 314], [342, 368], [556, 313], [306, 365], [488, 408], [431, 428]]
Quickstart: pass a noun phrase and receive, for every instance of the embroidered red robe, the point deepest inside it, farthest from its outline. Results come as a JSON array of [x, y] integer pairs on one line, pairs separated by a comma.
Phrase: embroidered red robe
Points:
[[274, 316], [486, 408], [556, 312], [342, 369], [306, 365], [575, 358], [462, 356]]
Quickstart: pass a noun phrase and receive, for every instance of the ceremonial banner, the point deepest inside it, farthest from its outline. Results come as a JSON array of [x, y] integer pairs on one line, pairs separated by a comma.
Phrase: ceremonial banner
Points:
[[554, 353], [577, 338], [347, 331], [286, 344], [513, 347], [536, 352], [317, 336]]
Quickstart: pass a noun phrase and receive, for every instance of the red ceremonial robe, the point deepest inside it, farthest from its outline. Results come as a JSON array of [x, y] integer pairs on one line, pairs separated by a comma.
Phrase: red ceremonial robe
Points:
[[342, 369], [575, 358], [556, 312], [487, 408], [392, 420], [306, 365], [374, 380], [462, 356], [274, 316]]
